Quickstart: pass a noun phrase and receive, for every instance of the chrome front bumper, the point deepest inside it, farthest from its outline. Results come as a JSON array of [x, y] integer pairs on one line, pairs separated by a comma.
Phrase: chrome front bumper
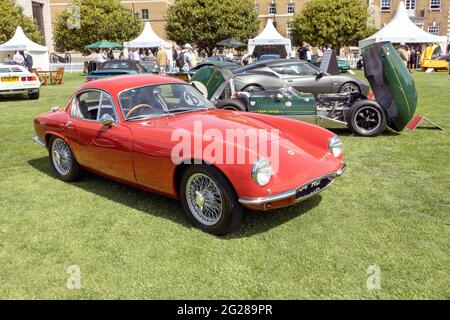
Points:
[[290, 194], [39, 142]]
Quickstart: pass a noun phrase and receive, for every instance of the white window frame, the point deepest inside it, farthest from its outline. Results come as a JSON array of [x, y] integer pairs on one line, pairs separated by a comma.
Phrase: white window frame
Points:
[[386, 5], [272, 7], [410, 5], [435, 5], [148, 14], [290, 5], [435, 28]]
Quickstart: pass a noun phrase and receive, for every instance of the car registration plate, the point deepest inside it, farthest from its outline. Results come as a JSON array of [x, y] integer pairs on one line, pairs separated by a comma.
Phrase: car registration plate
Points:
[[10, 79], [313, 187]]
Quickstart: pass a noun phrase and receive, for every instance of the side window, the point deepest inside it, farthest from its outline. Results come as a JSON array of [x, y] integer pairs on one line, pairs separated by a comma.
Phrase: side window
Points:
[[278, 69], [92, 105], [299, 70]]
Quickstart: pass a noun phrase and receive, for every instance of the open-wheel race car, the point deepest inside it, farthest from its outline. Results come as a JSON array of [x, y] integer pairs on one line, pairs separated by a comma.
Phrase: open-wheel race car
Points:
[[393, 87]]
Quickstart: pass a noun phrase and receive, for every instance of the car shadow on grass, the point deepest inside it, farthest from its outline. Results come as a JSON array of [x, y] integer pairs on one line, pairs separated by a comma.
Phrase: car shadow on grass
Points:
[[342, 132], [14, 98], [160, 206]]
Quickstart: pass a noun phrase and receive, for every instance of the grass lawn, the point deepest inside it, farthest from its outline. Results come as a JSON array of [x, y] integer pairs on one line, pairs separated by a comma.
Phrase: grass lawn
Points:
[[390, 209]]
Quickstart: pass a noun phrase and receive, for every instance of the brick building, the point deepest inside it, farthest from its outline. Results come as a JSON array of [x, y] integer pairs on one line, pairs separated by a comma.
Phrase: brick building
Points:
[[153, 11], [432, 16], [40, 10]]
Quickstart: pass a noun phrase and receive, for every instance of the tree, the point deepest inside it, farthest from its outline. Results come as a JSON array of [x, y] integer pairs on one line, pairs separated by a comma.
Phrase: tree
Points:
[[11, 17], [337, 22], [89, 21], [206, 22]]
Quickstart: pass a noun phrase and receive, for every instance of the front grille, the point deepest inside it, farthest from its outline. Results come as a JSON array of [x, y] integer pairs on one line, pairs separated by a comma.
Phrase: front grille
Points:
[[313, 187]]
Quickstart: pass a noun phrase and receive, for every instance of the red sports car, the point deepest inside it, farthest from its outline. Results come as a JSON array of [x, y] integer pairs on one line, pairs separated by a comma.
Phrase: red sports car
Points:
[[160, 134]]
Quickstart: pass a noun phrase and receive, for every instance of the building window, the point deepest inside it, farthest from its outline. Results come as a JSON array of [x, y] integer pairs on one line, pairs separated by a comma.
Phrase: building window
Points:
[[410, 4], [273, 8], [144, 14], [433, 30], [385, 5], [435, 4], [291, 8]]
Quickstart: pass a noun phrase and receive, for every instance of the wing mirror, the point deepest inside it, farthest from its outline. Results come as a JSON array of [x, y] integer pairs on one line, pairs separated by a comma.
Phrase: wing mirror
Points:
[[319, 75], [107, 120]]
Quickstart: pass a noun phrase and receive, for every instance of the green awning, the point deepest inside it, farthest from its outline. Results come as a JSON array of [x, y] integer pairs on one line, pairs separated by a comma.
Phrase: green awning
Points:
[[104, 44]]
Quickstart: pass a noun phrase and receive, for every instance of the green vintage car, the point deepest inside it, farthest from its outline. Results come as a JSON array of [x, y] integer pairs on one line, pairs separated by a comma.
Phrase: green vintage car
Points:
[[393, 87]]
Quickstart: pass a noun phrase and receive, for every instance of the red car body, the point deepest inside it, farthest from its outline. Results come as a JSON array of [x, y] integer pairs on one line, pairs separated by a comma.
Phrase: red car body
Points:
[[138, 153]]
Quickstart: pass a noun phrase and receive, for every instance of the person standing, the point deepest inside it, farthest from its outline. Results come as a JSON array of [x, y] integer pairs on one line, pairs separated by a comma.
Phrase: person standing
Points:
[[162, 60], [187, 58], [8, 59], [308, 53], [28, 62], [403, 53], [18, 58], [302, 51], [412, 58]]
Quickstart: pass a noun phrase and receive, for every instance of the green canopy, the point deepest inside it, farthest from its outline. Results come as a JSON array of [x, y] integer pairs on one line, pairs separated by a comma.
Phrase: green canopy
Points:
[[104, 44]]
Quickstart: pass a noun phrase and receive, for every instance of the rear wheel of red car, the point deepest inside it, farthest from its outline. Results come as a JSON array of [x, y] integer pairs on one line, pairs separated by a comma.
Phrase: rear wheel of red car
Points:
[[209, 200], [63, 161], [231, 104], [366, 118]]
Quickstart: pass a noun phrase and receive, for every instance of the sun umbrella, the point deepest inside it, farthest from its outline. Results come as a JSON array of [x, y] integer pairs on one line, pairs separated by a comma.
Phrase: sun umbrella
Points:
[[104, 44], [231, 43]]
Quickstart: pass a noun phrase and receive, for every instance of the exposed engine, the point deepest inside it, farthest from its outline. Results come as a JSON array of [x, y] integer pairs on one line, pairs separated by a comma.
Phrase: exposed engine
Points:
[[336, 105]]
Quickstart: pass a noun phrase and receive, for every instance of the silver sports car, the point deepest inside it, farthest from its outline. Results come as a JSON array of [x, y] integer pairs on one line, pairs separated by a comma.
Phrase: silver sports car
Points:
[[301, 75]]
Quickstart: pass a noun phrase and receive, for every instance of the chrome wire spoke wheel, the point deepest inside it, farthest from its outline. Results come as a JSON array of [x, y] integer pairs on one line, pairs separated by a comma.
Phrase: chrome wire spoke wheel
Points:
[[61, 156], [204, 199], [368, 119]]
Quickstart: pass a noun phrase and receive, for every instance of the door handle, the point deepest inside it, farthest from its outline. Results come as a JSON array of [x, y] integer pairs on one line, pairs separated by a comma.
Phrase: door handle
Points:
[[68, 124]]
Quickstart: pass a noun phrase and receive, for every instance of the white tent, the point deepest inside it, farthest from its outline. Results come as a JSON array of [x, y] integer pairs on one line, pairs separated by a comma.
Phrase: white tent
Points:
[[402, 29], [269, 37], [21, 42], [148, 39]]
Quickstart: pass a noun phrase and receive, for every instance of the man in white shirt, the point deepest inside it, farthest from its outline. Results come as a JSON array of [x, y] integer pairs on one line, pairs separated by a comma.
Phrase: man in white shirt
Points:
[[136, 56], [18, 59]]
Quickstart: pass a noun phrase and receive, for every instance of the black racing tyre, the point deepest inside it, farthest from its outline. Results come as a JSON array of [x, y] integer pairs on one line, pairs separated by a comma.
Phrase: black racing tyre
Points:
[[251, 89], [63, 161], [231, 104], [209, 200], [366, 118], [349, 87], [33, 95]]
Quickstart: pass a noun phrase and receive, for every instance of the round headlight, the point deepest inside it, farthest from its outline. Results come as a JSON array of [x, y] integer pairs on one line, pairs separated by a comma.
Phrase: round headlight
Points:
[[262, 172], [335, 146]]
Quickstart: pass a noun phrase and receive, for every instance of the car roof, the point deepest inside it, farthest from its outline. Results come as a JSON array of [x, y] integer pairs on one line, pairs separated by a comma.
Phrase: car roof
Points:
[[266, 63], [117, 84]]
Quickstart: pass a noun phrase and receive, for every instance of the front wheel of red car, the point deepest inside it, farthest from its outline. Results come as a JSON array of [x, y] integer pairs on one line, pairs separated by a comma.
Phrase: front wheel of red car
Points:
[[209, 200], [63, 161]]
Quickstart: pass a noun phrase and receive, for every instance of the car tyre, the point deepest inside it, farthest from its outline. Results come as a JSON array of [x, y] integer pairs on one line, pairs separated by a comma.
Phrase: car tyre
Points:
[[366, 118], [33, 95], [63, 161], [253, 89], [350, 87], [209, 200], [231, 104]]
